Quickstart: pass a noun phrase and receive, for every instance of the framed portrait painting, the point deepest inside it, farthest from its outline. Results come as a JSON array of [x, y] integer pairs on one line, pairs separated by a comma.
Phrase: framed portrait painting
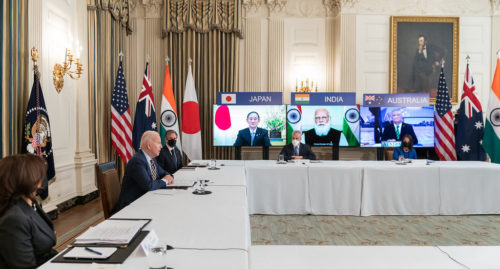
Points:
[[419, 46]]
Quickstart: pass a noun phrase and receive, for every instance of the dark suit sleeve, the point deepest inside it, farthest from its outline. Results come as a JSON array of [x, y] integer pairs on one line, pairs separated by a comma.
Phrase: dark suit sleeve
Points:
[[179, 158], [336, 138], [137, 170], [386, 134], [239, 139], [286, 153], [162, 159], [18, 252], [267, 142], [309, 153]]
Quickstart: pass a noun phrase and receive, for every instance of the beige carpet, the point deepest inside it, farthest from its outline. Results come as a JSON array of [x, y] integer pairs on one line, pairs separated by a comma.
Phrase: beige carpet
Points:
[[375, 230]]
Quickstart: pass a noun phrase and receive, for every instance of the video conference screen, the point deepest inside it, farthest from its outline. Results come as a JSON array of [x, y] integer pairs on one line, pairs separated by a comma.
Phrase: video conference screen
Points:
[[324, 125], [386, 126], [236, 125]]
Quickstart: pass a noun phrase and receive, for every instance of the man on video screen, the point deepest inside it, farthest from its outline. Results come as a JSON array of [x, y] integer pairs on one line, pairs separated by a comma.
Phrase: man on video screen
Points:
[[322, 134], [397, 128], [253, 135]]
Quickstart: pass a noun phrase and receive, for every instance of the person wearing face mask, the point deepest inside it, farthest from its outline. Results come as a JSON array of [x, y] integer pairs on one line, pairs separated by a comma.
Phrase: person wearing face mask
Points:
[[296, 150], [170, 158], [253, 135], [406, 149]]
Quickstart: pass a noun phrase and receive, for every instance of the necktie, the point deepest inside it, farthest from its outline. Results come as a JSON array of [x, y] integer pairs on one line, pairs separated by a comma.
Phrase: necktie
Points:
[[174, 157], [253, 137], [153, 169], [296, 151], [397, 132]]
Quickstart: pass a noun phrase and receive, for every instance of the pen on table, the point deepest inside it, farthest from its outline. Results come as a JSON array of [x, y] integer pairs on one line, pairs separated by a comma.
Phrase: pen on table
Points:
[[93, 251]]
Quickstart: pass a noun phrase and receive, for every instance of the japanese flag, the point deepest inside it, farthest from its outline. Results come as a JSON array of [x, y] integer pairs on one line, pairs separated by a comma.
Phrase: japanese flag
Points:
[[228, 98]]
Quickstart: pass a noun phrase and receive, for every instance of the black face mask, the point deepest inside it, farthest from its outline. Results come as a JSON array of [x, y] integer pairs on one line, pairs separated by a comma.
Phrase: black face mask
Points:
[[171, 142], [406, 144]]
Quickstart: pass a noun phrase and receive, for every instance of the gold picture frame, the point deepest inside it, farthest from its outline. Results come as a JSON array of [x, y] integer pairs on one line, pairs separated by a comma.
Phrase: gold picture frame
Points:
[[418, 44]]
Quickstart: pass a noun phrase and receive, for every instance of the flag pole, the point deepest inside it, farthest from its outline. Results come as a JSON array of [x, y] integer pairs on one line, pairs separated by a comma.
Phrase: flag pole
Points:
[[442, 63], [120, 55], [498, 54], [167, 60], [467, 58], [190, 61], [34, 58]]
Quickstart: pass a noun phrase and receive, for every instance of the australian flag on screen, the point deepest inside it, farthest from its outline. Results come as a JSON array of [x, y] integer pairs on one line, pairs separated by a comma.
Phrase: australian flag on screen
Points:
[[470, 127], [37, 137], [145, 117]]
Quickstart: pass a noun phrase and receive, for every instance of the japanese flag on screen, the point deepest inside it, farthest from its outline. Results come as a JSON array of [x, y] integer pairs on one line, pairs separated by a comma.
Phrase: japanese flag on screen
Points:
[[228, 98]]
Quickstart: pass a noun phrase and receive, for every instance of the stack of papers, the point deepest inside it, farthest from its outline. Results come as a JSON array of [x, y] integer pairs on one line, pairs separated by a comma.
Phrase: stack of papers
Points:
[[93, 253], [112, 231]]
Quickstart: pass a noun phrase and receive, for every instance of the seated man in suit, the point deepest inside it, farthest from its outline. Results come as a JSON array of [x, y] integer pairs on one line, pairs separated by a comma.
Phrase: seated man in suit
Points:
[[322, 134], [142, 173], [398, 129], [170, 158], [253, 135], [297, 150]]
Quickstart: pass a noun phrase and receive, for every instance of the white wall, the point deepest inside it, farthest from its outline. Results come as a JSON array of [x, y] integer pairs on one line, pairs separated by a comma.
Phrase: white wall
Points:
[[54, 26]]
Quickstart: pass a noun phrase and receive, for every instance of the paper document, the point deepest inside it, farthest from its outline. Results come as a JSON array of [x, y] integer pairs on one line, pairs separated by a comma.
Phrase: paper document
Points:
[[93, 253], [111, 231]]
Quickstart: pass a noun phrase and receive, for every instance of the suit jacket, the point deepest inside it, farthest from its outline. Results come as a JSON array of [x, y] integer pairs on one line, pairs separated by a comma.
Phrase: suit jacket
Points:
[[245, 138], [304, 150], [332, 138], [27, 237], [390, 132], [138, 179], [166, 160]]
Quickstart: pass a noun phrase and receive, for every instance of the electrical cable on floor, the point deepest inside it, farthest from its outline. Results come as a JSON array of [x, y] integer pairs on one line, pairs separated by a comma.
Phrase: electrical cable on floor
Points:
[[451, 258]]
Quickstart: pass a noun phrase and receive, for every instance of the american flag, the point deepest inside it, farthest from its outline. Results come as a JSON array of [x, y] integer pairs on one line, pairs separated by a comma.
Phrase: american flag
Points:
[[444, 133], [121, 125]]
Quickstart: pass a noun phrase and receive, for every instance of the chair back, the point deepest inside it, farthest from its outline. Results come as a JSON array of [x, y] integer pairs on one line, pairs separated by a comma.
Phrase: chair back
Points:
[[388, 152], [109, 186]]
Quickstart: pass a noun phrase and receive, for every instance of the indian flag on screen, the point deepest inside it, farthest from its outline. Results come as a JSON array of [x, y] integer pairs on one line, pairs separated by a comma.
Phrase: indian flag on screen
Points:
[[491, 137], [302, 99], [350, 126]]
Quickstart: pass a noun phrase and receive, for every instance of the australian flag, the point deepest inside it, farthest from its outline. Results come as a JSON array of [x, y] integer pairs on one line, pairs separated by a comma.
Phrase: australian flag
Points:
[[37, 137], [145, 117], [469, 133]]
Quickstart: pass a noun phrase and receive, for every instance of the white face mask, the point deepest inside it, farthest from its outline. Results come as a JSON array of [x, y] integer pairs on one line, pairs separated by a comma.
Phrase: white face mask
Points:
[[295, 142]]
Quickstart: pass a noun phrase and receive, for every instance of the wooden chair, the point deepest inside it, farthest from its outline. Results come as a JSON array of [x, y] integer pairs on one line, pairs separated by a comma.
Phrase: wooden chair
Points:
[[109, 186], [388, 152]]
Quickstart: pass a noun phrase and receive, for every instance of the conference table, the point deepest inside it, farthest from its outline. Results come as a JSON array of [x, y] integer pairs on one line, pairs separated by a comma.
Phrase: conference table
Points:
[[213, 231]]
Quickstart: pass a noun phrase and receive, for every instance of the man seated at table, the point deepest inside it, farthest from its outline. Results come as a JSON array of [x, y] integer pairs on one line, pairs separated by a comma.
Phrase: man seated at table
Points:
[[296, 150], [142, 173], [170, 158], [253, 135]]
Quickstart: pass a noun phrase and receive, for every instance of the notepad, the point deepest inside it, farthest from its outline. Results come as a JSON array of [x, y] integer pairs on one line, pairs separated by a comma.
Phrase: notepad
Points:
[[112, 231], [82, 253]]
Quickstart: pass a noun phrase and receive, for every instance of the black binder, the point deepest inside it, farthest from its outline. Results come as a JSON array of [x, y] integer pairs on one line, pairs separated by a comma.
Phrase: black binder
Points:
[[120, 255]]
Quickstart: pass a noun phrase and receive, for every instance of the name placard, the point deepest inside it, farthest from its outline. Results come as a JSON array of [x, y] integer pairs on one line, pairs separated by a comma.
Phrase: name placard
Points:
[[396, 100], [324, 98], [249, 98]]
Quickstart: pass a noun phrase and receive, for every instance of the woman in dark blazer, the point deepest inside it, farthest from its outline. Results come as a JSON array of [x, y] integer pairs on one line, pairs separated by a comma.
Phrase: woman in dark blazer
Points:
[[26, 232]]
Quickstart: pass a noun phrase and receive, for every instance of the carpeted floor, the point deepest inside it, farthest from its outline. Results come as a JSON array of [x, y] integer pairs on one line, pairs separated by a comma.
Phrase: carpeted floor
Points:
[[375, 230]]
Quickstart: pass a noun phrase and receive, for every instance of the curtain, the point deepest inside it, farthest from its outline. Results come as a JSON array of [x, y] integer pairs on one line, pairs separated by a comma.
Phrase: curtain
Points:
[[107, 28], [213, 44], [14, 59]]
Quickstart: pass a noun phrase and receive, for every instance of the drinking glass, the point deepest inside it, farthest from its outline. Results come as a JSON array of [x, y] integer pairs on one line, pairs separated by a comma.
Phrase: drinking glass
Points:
[[401, 158], [212, 163], [281, 158], [157, 258]]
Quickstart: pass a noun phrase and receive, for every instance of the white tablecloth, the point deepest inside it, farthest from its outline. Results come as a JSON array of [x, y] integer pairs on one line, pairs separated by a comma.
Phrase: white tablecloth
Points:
[[226, 175], [352, 257], [391, 189], [335, 188], [469, 188], [480, 257], [277, 188]]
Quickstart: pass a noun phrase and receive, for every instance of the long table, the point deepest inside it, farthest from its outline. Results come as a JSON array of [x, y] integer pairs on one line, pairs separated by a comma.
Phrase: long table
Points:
[[213, 231]]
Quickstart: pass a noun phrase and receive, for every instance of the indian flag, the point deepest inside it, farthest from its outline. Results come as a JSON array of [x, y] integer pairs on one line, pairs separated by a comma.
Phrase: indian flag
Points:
[[350, 126], [491, 138], [169, 120], [302, 99]]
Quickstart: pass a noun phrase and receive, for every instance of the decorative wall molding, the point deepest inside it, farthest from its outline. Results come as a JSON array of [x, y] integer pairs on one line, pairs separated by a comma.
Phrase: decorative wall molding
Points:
[[252, 5], [153, 8], [420, 7], [305, 9], [495, 6], [276, 7], [334, 7]]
